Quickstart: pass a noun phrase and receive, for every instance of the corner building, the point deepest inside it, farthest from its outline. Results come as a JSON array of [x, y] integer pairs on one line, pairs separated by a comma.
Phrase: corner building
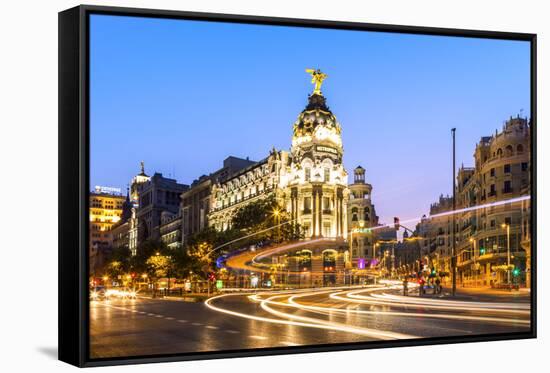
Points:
[[309, 181]]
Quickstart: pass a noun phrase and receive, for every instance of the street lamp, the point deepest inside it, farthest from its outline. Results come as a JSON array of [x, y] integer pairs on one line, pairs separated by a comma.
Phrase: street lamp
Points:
[[475, 266], [507, 226]]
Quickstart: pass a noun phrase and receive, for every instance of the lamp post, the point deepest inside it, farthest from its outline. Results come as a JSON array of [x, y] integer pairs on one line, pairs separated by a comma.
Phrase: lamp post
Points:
[[475, 266], [393, 259], [453, 256], [507, 226]]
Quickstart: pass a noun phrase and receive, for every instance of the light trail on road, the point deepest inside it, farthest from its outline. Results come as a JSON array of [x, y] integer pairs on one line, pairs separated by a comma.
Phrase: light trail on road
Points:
[[305, 321], [385, 300], [293, 308]]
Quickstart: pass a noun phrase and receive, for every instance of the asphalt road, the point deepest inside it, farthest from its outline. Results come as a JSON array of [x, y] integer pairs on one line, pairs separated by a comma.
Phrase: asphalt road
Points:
[[281, 319]]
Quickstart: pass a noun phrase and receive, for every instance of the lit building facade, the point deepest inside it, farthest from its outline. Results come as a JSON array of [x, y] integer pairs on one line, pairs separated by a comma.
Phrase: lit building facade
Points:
[[136, 186], [309, 181], [151, 196], [483, 235], [105, 212], [361, 218], [196, 201], [170, 229]]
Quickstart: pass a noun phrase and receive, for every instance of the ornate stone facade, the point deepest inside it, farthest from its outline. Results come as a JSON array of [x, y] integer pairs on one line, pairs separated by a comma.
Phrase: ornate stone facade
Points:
[[501, 172], [310, 181], [361, 217]]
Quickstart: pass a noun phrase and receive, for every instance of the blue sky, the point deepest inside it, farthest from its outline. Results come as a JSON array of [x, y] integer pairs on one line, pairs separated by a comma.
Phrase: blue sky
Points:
[[184, 95]]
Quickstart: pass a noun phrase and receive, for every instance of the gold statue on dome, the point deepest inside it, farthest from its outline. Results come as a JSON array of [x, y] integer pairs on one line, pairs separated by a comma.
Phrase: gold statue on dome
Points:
[[317, 78]]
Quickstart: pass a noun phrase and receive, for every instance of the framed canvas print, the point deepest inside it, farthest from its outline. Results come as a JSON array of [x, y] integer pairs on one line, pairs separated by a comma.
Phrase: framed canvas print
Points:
[[238, 186]]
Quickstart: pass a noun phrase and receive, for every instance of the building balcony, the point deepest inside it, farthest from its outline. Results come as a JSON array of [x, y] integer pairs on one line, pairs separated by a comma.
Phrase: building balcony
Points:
[[327, 211], [306, 211]]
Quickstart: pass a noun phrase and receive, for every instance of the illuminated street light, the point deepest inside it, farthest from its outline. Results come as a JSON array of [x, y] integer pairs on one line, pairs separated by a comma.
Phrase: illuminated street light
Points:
[[507, 226], [475, 264]]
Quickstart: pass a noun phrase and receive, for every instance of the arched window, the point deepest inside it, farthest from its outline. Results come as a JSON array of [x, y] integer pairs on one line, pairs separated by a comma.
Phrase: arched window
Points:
[[520, 149], [354, 212], [329, 260], [509, 150], [304, 260], [307, 173], [499, 152], [326, 175]]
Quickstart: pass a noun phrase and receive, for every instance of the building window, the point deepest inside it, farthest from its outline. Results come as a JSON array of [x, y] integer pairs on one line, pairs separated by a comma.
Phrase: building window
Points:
[[507, 168], [524, 166], [508, 220], [307, 205], [520, 149], [492, 172], [509, 151], [492, 191], [354, 214], [507, 187], [326, 203], [308, 174], [326, 230], [327, 175]]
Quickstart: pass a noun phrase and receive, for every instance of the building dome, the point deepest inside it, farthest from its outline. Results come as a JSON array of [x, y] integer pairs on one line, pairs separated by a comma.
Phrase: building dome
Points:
[[315, 114]]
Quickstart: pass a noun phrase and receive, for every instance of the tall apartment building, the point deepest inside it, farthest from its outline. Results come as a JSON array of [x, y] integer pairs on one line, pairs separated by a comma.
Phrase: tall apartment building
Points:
[[486, 226], [105, 211]]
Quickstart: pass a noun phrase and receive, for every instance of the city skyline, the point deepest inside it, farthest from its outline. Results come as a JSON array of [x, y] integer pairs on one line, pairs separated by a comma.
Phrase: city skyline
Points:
[[255, 102]]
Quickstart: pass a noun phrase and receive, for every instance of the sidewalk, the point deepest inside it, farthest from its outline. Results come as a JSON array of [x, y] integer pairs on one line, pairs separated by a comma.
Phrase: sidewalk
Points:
[[185, 297]]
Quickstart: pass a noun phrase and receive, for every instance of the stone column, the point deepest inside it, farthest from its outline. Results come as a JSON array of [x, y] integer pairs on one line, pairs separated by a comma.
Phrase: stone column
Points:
[[337, 212], [320, 212], [313, 212], [340, 214]]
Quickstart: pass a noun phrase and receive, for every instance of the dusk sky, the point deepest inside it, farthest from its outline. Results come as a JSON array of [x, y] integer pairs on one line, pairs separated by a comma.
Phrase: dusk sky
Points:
[[183, 95]]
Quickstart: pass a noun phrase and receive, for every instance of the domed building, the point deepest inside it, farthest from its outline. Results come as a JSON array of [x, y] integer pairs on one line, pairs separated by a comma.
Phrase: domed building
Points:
[[310, 182], [316, 178]]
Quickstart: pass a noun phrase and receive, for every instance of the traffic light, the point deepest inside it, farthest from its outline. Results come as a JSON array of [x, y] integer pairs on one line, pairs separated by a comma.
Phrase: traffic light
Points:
[[212, 276], [396, 223], [481, 251], [516, 272]]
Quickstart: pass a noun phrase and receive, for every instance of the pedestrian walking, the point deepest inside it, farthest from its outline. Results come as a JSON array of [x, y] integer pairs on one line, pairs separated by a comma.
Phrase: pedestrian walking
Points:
[[405, 287], [438, 286]]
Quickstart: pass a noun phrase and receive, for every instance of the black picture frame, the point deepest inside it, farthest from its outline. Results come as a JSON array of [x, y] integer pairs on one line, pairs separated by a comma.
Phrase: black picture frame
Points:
[[74, 182]]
